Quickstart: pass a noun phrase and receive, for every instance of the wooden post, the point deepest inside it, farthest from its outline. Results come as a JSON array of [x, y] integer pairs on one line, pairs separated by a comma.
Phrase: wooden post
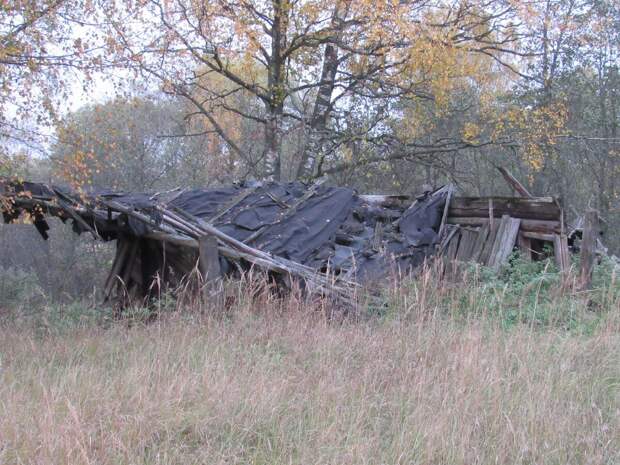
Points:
[[588, 249], [208, 258], [444, 217], [560, 249]]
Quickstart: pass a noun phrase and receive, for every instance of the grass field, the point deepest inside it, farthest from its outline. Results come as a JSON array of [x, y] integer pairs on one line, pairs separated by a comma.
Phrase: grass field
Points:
[[445, 375]]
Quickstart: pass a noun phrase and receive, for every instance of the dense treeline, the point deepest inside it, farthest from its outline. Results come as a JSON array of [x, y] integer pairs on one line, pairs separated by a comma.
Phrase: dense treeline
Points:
[[381, 95]]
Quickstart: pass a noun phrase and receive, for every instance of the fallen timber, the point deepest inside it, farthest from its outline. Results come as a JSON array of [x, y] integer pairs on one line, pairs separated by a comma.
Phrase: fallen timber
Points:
[[331, 239]]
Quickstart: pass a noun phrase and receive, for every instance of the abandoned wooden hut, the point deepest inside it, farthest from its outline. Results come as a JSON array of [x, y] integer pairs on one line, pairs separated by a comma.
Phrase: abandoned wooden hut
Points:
[[332, 238]]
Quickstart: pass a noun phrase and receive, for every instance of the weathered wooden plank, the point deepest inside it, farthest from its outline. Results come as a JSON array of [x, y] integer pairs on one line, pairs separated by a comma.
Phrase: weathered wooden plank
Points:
[[488, 244], [385, 200], [122, 251], [539, 236], [468, 240], [446, 208], [129, 270], [504, 242], [542, 226], [450, 255], [539, 208], [498, 241], [560, 250], [514, 183], [377, 238], [445, 241], [208, 258], [481, 239]]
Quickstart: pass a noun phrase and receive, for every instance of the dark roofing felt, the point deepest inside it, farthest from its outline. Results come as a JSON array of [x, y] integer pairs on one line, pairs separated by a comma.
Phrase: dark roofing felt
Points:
[[319, 226]]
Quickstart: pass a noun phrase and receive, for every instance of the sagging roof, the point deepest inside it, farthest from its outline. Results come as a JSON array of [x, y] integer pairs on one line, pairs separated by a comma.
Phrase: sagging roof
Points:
[[324, 228], [332, 237]]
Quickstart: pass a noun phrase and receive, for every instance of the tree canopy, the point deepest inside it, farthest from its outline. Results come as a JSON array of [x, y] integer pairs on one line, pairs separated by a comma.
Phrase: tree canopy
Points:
[[377, 94]]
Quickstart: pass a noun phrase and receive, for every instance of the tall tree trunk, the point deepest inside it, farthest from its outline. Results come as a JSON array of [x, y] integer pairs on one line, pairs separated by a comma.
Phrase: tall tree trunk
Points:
[[314, 147], [273, 143], [277, 90]]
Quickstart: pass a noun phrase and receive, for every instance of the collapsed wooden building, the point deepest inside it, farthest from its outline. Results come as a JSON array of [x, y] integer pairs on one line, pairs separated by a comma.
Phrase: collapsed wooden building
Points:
[[331, 238]]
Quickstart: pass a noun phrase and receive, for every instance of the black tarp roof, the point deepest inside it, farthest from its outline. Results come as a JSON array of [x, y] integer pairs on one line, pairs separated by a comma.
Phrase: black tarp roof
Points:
[[324, 227]]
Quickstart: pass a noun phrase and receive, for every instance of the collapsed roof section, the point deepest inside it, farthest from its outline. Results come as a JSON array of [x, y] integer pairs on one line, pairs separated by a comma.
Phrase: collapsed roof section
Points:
[[357, 238], [332, 237]]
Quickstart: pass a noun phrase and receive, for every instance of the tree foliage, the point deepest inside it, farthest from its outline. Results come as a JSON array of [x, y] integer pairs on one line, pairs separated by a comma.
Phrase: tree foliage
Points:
[[381, 95], [309, 66], [43, 45]]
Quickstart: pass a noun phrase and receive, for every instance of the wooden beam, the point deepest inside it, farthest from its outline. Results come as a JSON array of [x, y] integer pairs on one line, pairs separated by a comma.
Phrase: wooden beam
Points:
[[539, 236], [446, 207], [538, 208], [122, 251], [543, 226], [208, 258], [560, 250], [384, 200], [514, 183]]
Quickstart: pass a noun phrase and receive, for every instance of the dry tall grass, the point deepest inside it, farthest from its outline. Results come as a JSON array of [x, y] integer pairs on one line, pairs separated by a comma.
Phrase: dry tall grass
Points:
[[274, 382]]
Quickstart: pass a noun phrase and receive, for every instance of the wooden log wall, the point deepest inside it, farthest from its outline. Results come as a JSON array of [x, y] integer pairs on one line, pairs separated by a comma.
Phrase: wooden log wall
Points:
[[536, 208], [489, 228]]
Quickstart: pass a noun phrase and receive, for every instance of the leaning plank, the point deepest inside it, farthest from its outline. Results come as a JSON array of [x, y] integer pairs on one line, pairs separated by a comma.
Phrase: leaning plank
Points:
[[451, 252], [514, 183], [488, 244], [495, 249], [131, 265], [504, 242], [446, 207], [468, 241], [481, 239], [445, 241]]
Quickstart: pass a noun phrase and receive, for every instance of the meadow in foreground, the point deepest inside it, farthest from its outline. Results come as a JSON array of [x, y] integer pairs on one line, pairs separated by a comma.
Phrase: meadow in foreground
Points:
[[448, 374]]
